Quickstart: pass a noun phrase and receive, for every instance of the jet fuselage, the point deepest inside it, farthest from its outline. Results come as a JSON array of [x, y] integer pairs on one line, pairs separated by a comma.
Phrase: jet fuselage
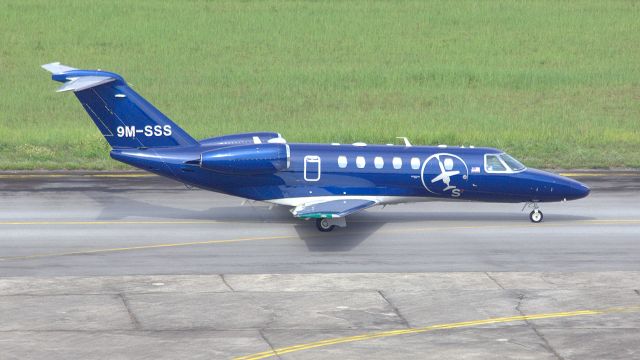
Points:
[[390, 173]]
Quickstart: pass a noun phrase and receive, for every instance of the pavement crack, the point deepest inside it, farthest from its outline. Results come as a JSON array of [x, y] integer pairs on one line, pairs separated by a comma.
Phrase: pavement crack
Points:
[[134, 319], [395, 310], [494, 280], [545, 343], [224, 281], [260, 331], [545, 277]]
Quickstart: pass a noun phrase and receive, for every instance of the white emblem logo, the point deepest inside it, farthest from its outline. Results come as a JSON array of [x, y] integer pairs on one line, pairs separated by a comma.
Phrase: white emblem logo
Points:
[[442, 174]]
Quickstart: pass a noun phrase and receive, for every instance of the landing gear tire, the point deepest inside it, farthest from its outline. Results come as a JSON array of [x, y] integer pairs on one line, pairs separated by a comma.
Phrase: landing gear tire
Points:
[[536, 216], [324, 225]]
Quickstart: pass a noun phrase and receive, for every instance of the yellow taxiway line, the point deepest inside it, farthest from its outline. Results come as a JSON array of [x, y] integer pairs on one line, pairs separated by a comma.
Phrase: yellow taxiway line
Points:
[[600, 174], [280, 237], [106, 175], [143, 247], [195, 222], [112, 222], [383, 334]]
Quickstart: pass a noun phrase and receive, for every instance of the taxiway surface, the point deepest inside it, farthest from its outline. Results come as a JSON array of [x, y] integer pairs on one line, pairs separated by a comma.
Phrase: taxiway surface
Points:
[[113, 266], [83, 224]]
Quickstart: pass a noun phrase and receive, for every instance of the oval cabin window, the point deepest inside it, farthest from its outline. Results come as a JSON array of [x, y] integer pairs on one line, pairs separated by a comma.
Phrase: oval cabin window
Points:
[[415, 163], [378, 162], [397, 163], [360, 162], [342, 161]]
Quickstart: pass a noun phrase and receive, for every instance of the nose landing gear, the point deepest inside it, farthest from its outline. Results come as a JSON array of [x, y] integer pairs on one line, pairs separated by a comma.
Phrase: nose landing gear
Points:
[[535, 215]]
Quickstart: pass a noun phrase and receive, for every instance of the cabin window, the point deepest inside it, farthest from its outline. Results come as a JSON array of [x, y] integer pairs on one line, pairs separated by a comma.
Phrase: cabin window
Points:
[[360, 162], [397, 163], [493, 164], [378, 162], [342, 161], [415, 163]]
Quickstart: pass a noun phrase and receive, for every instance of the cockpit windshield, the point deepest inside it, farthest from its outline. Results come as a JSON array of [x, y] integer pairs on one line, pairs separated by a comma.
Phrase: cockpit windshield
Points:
[[514, 164], [501, 163]]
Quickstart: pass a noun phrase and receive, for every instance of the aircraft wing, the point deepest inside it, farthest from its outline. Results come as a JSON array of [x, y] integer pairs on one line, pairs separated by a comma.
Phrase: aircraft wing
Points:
[[332, 208]]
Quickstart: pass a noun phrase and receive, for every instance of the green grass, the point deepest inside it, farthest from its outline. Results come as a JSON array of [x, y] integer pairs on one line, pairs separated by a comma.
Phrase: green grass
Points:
[[555, 83]]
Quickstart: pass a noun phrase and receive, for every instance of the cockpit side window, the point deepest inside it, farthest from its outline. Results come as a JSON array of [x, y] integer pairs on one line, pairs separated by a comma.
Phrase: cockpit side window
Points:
[[501, 163], [493, 164], [514, 164]]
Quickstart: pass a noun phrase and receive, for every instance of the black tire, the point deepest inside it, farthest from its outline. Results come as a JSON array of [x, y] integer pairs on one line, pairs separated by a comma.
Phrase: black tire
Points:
[[536, 216], [323, 225]]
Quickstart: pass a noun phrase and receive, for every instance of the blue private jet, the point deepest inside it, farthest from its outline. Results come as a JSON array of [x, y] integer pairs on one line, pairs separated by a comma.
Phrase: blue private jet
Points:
[[325, 182]]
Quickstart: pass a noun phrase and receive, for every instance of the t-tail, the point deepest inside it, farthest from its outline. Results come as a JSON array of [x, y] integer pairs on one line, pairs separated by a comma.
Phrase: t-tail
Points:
[[124, 117]]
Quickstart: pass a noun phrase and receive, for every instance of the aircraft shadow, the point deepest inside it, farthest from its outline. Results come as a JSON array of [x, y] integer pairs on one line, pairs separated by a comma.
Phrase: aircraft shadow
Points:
[[360, 226], [340, 239], [116, 207]]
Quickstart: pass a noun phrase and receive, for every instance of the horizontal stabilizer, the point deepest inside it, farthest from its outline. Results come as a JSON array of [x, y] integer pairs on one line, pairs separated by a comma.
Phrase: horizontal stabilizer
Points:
[[85, 82], [57, 68]]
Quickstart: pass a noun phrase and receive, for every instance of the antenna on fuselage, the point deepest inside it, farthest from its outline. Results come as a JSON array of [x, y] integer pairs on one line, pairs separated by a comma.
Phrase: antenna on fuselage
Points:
[[406, 141]]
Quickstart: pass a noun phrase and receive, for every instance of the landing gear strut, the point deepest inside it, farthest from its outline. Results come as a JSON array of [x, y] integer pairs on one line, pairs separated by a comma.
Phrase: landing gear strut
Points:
[[324, 225], [535, 215]]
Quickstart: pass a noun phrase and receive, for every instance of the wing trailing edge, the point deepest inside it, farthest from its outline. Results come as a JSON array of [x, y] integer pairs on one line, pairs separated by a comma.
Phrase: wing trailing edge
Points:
[[332, 209]]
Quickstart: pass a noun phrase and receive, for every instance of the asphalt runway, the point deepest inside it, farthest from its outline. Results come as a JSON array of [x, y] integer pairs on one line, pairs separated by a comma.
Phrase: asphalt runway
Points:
[[82, 224], [129, 266]]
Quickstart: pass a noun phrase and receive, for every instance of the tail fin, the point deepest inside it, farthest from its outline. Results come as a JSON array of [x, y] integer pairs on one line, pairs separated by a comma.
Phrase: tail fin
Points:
[[124, 117]]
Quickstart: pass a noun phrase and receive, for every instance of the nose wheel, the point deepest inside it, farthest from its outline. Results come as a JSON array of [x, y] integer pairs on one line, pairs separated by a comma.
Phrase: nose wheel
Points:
[[536, 216], [324, 225]]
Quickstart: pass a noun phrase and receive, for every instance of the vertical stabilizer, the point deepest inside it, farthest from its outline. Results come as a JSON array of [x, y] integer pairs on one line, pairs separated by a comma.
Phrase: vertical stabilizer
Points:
[[124, 118]]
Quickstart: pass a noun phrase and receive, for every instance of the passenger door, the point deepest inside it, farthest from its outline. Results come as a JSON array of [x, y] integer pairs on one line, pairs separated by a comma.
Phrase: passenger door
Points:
[[312, 168]]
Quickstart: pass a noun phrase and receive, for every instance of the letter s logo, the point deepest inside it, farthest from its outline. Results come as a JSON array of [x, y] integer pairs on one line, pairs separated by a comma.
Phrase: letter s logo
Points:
[[167, 130]]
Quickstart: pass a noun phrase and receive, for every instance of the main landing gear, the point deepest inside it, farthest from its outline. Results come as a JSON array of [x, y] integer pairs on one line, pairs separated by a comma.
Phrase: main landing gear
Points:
[[328, 224], [535, 215], [324, 225]]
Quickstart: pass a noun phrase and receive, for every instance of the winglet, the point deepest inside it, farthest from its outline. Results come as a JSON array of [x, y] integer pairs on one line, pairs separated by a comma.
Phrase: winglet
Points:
[[57, 68]]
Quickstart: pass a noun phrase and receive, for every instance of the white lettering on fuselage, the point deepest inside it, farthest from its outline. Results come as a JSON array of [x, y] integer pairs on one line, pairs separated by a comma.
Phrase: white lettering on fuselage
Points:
[[148, 130]]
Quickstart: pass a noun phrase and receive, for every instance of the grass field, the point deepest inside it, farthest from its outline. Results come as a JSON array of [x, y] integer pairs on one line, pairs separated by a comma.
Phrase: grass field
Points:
[[555, 83]]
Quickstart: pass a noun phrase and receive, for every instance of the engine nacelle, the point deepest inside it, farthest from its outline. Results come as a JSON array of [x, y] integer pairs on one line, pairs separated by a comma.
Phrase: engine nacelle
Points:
[[246, 138], [247, 159]]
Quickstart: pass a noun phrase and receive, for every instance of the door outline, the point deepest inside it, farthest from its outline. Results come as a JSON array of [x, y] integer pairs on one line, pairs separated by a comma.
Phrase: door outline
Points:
[[312, 159]]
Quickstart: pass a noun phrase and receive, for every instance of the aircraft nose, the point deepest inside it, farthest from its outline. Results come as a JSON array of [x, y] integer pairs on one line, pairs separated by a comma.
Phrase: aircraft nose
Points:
[[575, 189]]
